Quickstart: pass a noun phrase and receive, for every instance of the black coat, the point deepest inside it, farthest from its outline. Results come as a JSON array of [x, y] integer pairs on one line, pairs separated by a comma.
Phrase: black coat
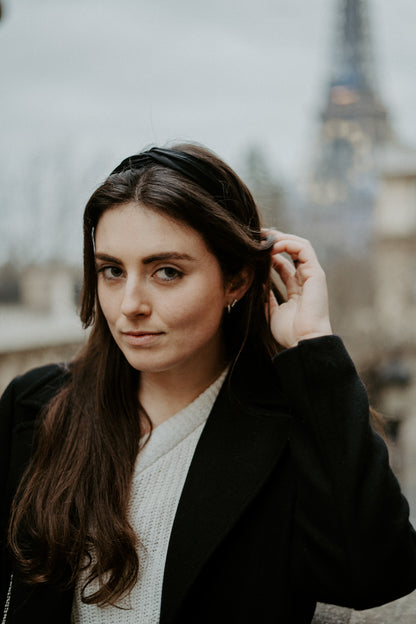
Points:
[[289, 499]]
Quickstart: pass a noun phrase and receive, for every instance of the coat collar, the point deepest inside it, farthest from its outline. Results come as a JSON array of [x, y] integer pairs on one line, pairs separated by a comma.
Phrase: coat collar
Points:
[[243, 439]]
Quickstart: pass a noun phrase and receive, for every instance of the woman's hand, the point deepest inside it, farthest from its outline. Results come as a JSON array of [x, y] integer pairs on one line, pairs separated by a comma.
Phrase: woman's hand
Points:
[[305, 314]]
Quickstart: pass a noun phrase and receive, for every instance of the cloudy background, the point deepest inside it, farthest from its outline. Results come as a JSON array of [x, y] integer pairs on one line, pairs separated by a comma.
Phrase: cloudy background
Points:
[[85, 82]]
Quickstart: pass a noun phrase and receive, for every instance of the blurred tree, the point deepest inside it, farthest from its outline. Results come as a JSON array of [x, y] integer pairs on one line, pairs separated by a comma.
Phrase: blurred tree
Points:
[[9, 284], [3, 9], [267, 190]]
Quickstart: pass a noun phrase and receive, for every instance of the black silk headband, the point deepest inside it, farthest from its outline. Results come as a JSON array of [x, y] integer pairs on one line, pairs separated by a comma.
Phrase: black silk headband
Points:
[[186, 164], [192, 167]]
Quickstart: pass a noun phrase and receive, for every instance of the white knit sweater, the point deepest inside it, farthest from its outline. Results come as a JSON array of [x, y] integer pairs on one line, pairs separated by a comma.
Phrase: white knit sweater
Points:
[[160, 473]]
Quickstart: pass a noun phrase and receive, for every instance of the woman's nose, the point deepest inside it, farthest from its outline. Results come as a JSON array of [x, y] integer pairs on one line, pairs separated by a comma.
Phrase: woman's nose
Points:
[[136, 299]]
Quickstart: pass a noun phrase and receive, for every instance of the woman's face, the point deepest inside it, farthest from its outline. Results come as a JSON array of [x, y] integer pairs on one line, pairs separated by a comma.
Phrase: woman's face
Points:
[[161, 291]]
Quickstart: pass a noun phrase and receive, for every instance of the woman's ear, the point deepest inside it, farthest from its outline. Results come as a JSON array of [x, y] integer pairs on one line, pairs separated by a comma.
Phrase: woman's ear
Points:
[[239, 284]]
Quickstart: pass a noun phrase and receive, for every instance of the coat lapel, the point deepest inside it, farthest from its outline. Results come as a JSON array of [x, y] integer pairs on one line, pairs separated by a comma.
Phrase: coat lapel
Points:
[[241, 443]]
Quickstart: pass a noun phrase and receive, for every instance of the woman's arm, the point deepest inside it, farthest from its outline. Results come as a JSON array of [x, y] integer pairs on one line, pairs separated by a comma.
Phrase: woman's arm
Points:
[[6, 419], [20, 407], [353, 543]]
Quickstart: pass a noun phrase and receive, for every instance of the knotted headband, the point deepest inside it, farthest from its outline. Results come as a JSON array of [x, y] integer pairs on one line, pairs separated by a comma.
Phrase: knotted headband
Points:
[[188, 165], [199, 171]]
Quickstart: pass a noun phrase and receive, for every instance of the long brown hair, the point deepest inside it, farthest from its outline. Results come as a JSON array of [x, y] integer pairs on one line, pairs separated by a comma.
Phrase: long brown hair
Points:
[[71, 510]]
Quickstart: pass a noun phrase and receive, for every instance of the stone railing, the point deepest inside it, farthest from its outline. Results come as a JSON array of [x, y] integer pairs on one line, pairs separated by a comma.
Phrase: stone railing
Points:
[[402, 611]]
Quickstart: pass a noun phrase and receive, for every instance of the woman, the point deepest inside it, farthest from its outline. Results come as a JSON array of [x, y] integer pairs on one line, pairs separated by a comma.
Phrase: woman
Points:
[[208, 456]]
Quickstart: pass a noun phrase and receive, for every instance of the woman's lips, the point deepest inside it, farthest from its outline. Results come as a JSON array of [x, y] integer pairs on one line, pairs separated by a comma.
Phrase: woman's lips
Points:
[[141, 338]]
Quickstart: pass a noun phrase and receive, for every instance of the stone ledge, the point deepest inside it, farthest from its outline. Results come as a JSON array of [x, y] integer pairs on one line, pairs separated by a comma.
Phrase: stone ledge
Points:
[[402, 611]]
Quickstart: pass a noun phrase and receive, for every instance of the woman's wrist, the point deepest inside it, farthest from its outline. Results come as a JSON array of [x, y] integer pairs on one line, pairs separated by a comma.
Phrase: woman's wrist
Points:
[[316, 334]]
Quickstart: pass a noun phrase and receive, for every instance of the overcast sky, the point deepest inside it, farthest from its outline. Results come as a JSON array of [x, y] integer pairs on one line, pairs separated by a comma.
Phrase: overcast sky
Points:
[[95, 80]]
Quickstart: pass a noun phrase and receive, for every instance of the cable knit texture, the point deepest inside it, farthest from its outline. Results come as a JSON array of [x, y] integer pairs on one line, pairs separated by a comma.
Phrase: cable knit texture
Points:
[[160, 473]]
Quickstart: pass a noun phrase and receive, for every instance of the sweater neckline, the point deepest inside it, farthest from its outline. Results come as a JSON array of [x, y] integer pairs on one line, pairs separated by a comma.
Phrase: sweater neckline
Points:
[[178, 427]]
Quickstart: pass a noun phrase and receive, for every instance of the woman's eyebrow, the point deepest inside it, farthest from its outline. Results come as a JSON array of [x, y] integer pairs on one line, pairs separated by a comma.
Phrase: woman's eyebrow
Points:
[[106, 258], [156, 257], [167, 255]]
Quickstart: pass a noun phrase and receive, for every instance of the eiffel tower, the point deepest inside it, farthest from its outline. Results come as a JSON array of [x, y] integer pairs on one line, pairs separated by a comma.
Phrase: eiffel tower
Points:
[[354, 127]]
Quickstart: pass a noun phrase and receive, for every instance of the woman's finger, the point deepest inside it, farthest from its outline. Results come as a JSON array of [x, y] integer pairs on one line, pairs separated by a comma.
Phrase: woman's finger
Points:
[[271, 305], [291, 240], [299, 251], [287, 272]]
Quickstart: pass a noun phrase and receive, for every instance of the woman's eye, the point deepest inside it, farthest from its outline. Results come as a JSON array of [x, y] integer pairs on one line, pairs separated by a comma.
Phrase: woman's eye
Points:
[[111, 272], [168, 274]]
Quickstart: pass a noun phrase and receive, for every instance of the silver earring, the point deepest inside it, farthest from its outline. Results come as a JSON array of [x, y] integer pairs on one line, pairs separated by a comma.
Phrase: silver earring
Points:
[[231, 305]]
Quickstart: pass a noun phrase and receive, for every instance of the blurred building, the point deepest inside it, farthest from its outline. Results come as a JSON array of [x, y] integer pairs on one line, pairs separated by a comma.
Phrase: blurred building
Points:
[[42, 326], [393, 369], [355, 155], [354, 129]]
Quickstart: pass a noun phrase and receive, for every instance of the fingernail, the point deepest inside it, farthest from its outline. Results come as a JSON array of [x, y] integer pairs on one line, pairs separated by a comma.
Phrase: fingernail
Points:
[[270, 239]]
